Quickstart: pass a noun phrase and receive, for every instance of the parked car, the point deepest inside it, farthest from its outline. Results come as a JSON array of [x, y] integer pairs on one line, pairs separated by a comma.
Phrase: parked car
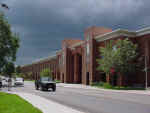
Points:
[[5, 81], [13, 82], [44, 83], [19, 81]]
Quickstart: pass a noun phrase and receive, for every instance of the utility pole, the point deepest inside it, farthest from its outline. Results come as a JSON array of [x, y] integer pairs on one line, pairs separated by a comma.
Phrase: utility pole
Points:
[[145, 72]]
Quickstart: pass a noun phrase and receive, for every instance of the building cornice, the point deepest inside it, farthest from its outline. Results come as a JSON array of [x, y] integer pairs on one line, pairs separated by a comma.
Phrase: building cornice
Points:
[[114, 34], [44, 59], [143, 31]]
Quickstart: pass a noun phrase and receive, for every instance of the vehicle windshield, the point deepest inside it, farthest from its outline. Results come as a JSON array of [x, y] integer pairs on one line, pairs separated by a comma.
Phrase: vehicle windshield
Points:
[[19, 79], [46, 79]]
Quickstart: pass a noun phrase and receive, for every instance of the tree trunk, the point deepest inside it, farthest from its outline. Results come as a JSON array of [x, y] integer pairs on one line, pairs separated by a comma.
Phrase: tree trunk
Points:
[[108, 78]]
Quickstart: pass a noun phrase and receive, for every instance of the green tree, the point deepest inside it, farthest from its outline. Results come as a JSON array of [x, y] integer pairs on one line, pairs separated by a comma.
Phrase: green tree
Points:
[[18, 69], [29, 75], [125, 56], [9, 43], [120, 56], [9, 69], [46, 72], [106, 61], [19, 75]]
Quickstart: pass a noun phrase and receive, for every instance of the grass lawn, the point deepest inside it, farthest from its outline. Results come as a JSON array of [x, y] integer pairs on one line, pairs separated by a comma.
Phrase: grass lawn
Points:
[[57, 81], [11, 103], [29, 80]]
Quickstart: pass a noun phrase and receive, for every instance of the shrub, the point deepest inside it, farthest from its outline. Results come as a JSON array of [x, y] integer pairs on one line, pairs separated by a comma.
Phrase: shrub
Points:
[[98, 84], [101, 83], [57, 81], [107, 85]]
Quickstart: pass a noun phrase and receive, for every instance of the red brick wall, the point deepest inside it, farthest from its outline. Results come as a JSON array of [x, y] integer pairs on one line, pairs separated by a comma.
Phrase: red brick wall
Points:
[[75, 66]]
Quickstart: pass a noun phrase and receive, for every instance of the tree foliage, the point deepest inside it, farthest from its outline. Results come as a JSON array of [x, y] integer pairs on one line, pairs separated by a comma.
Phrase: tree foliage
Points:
[[8, 69], [46, 72], [120, 57], [106, 61], [21, 75], [18, 69], [9, 43], [126, 54]]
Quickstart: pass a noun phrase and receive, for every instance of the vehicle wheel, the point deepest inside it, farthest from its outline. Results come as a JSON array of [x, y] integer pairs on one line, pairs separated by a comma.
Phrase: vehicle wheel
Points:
[[41, 88], [54, 88], [36, 87]]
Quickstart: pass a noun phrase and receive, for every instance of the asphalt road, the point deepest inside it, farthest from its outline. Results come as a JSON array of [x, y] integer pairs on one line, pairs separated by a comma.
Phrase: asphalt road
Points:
[[93, 101]]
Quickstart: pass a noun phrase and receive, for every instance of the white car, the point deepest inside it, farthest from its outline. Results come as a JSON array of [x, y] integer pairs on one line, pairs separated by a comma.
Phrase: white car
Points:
[[5, 82], [19, 81], [13, 82]]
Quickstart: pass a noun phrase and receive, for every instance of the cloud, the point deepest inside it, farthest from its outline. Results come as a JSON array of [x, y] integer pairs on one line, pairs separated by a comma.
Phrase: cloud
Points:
[[43, 24]]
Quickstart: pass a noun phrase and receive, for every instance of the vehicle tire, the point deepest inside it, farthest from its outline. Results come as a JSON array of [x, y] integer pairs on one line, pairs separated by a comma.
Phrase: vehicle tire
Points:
[[41, 88], [36, 87], [47, 89], [54, 88], [0, 85]]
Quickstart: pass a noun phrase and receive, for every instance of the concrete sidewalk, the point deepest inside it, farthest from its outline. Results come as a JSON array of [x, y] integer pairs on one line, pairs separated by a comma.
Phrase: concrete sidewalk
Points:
[[46, 106], [145, 92]]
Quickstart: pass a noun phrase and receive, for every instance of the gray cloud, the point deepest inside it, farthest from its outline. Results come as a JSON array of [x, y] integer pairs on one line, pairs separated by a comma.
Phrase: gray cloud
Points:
[[43, 24]]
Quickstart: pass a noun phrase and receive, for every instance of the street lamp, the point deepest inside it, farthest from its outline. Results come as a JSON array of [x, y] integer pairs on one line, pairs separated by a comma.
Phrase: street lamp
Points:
[[4, 6], [145, 72]]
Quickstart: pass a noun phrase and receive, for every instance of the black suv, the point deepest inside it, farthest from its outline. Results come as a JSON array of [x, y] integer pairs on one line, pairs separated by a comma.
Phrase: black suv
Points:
[[44, 83]]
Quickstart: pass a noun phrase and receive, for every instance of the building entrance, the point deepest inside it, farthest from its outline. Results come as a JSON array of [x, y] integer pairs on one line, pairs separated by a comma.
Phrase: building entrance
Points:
[[80, 70], [87, 78]]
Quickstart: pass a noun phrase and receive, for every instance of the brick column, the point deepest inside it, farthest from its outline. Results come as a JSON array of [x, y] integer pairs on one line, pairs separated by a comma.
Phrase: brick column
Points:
[[92, 61], [75, 68], [147, 53]]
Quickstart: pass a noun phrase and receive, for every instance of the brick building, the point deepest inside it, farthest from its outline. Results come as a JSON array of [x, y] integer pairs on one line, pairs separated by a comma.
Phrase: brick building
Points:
[[32, 71], [76, 61]]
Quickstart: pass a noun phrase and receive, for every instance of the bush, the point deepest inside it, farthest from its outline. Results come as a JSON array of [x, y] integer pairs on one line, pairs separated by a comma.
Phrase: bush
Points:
[[102, 84], [57, 81], [98, 84], [107, 85]]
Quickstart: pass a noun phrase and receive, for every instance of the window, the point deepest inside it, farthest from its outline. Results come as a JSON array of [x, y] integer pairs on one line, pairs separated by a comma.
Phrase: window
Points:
[[87, 49], [63, 57], [87, 52], [59, 61]]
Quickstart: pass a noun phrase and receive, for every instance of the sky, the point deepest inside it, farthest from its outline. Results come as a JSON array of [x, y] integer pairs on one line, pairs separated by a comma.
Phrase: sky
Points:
[[43, 24]]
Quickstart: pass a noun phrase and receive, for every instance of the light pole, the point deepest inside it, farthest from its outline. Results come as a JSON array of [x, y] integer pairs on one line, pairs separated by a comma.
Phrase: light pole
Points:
[[145, 72], [4, 6]]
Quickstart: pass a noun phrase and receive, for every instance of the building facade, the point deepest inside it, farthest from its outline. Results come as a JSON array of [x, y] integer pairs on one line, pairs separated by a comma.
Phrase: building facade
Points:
[[76, 61]]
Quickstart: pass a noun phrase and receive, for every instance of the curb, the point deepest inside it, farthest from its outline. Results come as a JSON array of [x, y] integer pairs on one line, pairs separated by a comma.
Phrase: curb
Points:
[[46, 106], [147, 92]]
